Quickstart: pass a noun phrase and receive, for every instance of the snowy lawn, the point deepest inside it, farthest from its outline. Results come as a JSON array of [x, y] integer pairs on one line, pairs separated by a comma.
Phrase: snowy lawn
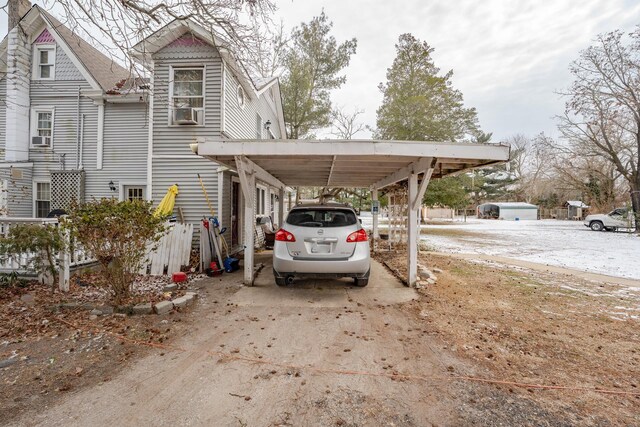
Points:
[[561, 243]]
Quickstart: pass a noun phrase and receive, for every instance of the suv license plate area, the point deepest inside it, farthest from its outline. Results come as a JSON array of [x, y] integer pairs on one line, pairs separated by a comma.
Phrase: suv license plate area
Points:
[[319, 248]]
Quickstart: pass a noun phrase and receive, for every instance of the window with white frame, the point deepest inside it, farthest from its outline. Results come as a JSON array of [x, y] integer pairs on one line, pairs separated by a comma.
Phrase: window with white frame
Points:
[[132, 193], [42, 199], [45, 57], [240, 95], [42, 127], [187, 96]]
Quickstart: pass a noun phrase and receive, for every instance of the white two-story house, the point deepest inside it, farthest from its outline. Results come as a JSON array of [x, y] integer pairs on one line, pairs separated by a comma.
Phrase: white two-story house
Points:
[[76, 125]]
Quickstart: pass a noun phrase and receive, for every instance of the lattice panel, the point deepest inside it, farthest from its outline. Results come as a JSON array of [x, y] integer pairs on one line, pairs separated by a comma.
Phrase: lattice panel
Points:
[[66, 186]]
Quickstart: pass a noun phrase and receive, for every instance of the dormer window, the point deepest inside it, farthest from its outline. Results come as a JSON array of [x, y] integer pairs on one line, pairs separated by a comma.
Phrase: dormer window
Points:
[[187, 96], [44, 61]]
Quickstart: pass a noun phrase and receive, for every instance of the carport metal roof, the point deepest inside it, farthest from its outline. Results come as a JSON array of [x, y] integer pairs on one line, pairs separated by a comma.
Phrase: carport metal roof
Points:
[[351, 163], [344, 163]]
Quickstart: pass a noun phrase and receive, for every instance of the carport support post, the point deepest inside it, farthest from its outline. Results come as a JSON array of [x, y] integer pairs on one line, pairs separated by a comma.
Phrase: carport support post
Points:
[[412, 227], [280, 207], [248, 184], [376, 234]]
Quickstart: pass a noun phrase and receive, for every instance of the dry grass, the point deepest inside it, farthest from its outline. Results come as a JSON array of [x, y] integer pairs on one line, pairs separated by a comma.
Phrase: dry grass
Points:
[[541, 328]]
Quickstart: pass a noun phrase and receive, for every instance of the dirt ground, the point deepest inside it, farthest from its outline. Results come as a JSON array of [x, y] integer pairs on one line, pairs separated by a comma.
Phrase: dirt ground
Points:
[[326, 353], [48, 351]]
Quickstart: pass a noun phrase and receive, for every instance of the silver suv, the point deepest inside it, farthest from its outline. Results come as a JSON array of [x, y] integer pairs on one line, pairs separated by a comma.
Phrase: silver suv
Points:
[[321, 240]]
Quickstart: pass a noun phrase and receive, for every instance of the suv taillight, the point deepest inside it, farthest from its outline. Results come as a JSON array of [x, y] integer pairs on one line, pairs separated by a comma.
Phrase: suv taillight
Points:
[[357, 236], [285, 236]]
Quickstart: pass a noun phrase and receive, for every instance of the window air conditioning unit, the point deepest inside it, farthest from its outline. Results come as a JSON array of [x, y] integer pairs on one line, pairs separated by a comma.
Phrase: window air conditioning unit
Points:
[[41, 141], [185, 116]]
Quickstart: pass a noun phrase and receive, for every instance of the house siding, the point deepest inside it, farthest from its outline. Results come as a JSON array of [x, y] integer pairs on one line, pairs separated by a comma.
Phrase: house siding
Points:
[[63, 96], [3, 116], [241, 122], [172, 160], [19, 197], [65, 69], [126, 130]]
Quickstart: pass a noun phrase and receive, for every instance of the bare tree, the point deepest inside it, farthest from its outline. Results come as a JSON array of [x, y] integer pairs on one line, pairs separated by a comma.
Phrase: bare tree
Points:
[[115, 26], [346, 125], [602, 114], [267, 59]]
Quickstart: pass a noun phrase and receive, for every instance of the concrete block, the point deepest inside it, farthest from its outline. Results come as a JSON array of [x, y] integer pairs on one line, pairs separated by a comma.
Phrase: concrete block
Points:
[[164, 307], [105, 309], [437, 270], [170, 287], [28, 299], [144, 308], [191, 297], [180, 302], [425, 274]]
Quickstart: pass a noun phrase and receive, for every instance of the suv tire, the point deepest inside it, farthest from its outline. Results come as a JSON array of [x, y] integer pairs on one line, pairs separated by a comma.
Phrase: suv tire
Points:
[[596, 226], [361, 283]]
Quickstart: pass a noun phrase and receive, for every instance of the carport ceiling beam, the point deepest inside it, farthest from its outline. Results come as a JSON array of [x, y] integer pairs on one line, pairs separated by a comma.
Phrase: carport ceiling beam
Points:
[[259, 173], [333, 164], [418, 166], [423, 185]]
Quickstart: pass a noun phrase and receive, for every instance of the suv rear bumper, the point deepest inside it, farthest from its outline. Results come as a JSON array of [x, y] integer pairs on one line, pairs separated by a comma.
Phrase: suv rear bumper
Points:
[[357, 265]]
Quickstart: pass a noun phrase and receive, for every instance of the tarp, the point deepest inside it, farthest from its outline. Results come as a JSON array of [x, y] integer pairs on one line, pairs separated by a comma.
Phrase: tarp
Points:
[[168, 202]]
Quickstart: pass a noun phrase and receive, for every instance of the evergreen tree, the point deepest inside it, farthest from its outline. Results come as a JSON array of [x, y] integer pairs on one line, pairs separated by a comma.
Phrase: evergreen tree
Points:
[[313, 64], [418, 103]]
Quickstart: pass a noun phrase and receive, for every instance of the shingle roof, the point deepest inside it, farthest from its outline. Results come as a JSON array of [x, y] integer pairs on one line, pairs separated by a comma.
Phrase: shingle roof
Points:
[[102, 68]]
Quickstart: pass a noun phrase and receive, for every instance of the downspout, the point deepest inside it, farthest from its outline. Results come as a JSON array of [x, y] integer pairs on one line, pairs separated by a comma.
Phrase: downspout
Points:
[[150, 137], [82, 120], [78, 130], [100, 141]]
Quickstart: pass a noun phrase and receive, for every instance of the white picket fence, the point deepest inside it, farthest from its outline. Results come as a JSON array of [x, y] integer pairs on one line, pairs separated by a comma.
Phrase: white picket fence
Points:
[[17, 262], [172, 252]]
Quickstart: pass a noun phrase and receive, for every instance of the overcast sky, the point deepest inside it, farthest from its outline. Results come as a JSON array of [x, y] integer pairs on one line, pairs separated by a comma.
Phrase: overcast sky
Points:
[[509, 57]]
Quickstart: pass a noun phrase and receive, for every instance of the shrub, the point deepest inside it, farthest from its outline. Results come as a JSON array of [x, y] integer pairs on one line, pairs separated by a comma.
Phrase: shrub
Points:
[[43, 241], [118, 234]]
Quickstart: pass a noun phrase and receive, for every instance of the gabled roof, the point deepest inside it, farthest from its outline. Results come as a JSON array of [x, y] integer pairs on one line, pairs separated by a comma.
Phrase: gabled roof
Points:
[[103, 69], [98, 67], [253, 86]]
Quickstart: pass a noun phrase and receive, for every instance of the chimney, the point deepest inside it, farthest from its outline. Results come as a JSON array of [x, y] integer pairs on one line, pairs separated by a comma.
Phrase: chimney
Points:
[[18, 79], [16, 10]]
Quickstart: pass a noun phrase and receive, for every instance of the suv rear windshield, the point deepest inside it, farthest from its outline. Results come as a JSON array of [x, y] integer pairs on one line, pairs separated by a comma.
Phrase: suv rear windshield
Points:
[[314, 217]]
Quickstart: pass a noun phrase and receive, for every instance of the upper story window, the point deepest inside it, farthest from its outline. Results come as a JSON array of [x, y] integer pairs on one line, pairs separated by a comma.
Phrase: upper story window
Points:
[[44, 61], [241, 96], [187, 96], [42, 119]]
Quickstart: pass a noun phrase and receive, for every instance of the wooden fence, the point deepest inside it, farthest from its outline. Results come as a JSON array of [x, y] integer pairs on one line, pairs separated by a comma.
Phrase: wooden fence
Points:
[[172, 252]]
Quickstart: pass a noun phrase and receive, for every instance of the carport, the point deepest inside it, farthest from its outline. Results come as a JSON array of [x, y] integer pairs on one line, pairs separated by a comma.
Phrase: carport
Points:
[[371, 164]]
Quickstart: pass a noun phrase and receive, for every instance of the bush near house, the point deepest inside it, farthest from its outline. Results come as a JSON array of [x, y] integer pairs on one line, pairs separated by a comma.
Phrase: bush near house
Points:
[[42, 242], [118, 234]]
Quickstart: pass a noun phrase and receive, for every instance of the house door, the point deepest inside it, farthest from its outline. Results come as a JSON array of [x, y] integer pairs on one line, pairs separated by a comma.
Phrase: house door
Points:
[[235, 212]]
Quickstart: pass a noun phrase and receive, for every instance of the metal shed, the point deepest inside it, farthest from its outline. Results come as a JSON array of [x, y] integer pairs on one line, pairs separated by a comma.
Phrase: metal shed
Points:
[[511, 211], [372, 164]]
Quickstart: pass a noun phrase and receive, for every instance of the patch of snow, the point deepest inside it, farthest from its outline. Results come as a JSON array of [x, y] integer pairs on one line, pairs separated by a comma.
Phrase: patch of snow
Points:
[[552, 242]]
